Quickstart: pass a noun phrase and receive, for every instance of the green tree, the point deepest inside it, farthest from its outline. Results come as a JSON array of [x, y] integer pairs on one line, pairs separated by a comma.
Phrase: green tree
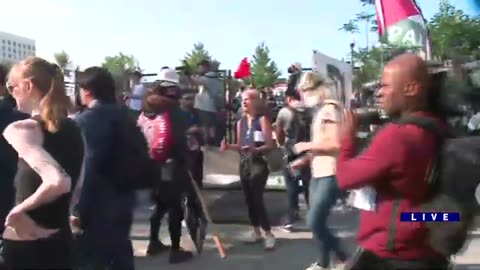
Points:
[[198, 54], [350, 27], [265, 72], [121, 63], [370, 24], [62, 59], [370, 63], [453, 33], [367, 2]]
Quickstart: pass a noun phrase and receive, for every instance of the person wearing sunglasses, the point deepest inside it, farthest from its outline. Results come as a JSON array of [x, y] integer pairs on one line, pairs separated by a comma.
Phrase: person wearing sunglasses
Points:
[[51, 151]]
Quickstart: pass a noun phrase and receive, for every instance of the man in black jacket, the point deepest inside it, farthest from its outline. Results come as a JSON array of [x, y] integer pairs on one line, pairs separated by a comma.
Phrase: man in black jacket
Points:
[[8, 156], [105, 212]]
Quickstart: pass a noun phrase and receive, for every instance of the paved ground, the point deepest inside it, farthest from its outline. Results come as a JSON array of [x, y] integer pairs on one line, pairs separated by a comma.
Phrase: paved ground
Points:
[[294, 250]]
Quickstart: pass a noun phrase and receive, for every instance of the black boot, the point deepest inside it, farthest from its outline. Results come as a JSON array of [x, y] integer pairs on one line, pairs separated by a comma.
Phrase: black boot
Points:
[[156, 247], [179, 256]]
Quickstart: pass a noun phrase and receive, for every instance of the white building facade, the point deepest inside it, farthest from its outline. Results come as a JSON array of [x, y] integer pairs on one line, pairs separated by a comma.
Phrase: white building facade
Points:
[[14, 48]]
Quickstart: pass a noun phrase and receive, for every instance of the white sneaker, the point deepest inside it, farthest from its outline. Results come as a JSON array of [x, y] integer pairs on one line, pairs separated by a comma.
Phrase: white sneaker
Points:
[[339, 266], [253, 238], [269, 242], [315, 266]]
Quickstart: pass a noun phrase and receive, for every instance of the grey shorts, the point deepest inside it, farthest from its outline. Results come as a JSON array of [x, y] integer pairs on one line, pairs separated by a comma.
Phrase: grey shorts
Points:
[[207, 119]]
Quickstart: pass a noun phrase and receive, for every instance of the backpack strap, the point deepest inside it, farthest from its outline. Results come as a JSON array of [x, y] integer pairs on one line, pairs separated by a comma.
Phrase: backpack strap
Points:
[[430, 125], [425, 123], [432, 175], [338, 107]]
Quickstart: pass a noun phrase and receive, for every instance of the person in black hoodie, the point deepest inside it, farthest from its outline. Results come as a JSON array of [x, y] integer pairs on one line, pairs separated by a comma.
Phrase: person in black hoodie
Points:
[[164, 125], [8, 156]]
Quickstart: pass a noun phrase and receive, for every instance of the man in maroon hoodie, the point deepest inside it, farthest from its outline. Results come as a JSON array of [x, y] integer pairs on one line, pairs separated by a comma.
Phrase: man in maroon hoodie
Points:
[[396, 165]]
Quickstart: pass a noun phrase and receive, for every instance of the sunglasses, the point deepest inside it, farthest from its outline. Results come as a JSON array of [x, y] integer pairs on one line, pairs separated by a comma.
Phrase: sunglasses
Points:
[[11, 86]]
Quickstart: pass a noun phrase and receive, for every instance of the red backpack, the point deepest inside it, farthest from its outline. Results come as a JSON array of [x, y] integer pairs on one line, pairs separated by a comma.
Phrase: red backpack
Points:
[[158, 131]]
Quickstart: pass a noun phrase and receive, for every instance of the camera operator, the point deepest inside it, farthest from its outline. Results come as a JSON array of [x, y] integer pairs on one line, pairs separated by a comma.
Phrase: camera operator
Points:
[[295, 71], [209, 101], [395, 165]]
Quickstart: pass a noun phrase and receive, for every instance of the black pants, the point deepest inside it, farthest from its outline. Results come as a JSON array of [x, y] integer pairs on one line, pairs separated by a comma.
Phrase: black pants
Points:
[[38, 254], [195, 165], [253, 176], [7, 198], [172, 206]]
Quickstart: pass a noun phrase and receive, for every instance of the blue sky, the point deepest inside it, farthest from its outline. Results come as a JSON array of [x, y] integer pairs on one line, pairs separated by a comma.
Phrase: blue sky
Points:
[[160, 32]]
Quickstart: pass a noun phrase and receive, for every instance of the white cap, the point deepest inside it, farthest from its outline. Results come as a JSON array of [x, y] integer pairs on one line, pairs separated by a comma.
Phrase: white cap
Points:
[[168, 77], [297, 65]]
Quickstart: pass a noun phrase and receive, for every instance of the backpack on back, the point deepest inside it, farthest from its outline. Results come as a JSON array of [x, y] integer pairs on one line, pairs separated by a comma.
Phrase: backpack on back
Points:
[[135, 169], [303, 120], [454, 180]]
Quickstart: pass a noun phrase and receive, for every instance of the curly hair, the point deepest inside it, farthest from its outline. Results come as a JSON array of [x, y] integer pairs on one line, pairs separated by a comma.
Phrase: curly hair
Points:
[[315, 84]]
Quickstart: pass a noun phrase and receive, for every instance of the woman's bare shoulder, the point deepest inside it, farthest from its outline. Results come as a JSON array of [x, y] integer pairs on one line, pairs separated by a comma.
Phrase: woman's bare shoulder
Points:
[[23, 131]]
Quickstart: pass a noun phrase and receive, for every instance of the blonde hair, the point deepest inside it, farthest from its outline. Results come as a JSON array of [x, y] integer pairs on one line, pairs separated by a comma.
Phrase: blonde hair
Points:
[[49, 80], [315, 85], [257, 103]]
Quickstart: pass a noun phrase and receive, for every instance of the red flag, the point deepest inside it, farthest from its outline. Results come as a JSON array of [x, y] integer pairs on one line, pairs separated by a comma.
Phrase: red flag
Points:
[[401, 23], [243, 70]]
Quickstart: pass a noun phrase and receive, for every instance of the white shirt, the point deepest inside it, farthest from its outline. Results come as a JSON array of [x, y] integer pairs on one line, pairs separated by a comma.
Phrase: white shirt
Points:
[[136, 98], [325, 164]]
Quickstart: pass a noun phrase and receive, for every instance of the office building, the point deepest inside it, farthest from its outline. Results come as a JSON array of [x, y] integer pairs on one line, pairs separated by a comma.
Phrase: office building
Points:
[[14, 48]]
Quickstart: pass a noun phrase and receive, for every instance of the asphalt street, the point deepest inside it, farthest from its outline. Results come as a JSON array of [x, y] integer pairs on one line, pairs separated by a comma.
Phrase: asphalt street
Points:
[[294, 250]]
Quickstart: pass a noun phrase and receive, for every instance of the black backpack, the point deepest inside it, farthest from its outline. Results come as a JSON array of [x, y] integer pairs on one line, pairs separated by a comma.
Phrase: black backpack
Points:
[[302, 121], [135, 170], [454, 179]]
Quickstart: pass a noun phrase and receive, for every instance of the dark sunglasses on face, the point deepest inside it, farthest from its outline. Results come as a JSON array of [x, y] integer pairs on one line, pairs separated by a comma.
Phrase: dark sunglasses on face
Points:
[[9, 87]]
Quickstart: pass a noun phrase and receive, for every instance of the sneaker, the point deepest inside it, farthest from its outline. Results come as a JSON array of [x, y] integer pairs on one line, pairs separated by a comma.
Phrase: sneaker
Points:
[[287, 227], [269, 242], [339, 266], [179, 256], [253, 238], [315, 266], [156, 247]]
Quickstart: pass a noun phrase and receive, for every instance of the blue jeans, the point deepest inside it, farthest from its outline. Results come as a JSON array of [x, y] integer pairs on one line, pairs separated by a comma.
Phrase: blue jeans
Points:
[[293, 190], [324, 193]]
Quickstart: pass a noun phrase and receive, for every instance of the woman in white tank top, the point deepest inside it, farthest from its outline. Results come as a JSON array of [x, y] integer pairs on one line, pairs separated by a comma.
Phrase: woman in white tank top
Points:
[[322, 151]]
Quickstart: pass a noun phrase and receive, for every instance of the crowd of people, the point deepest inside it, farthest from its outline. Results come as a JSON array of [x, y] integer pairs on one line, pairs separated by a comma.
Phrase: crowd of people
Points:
[[67, 202]]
